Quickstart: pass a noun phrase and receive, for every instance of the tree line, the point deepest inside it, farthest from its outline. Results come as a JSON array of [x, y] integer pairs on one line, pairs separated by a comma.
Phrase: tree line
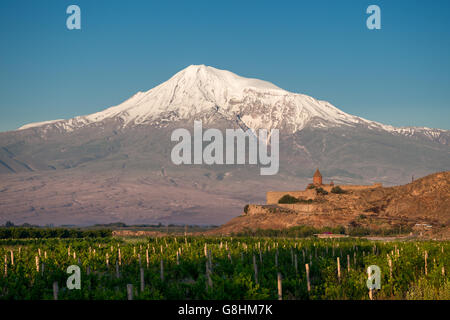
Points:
[[47, 233]]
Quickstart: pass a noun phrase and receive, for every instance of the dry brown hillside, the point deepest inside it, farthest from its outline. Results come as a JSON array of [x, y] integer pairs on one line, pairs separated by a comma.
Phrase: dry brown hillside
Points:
[[424, 201]]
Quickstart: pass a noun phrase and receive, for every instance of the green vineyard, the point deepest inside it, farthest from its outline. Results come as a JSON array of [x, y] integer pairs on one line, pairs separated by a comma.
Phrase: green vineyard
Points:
[[222, 268]]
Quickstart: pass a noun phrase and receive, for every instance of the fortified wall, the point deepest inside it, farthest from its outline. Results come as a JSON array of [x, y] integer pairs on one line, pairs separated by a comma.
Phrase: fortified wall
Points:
[[257, 209], [272, 197]]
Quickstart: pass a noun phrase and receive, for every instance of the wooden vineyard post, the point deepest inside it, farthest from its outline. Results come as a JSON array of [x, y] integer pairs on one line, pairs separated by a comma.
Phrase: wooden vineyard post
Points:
[[260, 257], [339, 269], [369, 271], [280, 287], [292, 256], [348, 263], [139, 258], [107, 260], [178, 258], [55, 290], [146, 257], [142, 279], [303, 251], [209, 284], [162, 270], [12, 257], [210, 259], [6, 266], [354, 258], [276, 259], [390, 267], [37, 263], [117, 270], [307, 277], [295, 264], [120, 258], [255, 268], [130, 291], [443, 271], [426, 263]]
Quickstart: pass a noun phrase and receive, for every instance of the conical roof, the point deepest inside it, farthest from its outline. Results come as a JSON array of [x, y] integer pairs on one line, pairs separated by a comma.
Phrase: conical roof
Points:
[[317, 173]]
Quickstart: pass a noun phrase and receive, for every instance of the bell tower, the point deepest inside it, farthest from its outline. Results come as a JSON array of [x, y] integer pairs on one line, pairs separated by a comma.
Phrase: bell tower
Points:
[[317, 178]]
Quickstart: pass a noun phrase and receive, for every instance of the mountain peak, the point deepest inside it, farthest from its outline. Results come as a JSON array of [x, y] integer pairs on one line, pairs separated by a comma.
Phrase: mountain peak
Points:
[[208, 75], [258, 104]]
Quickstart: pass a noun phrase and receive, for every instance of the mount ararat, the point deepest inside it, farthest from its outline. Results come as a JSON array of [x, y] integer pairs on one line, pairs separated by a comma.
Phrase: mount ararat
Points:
[[114, 165]]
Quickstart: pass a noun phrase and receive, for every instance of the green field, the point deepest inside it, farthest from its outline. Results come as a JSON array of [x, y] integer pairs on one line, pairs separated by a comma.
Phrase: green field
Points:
[[222, 268]]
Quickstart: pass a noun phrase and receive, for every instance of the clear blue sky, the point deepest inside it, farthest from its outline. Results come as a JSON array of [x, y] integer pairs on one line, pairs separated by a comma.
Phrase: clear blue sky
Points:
[[398, 75]]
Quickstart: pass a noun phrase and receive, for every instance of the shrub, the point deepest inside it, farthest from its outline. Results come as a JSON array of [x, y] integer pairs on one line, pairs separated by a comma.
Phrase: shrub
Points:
[[311, 186], [246, 208], [425, 290], [9, 224], [320, 190], [301, 231], [358, 231], [305, 201], [288, 199], [338, 190]]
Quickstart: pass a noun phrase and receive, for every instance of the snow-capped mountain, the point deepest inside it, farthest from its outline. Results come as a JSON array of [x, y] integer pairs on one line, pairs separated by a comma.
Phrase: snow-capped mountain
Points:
[[200, 89], [115, 165]]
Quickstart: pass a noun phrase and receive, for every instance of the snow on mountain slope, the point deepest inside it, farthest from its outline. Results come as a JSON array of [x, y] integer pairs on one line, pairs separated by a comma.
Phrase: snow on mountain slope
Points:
[[259, 104]]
